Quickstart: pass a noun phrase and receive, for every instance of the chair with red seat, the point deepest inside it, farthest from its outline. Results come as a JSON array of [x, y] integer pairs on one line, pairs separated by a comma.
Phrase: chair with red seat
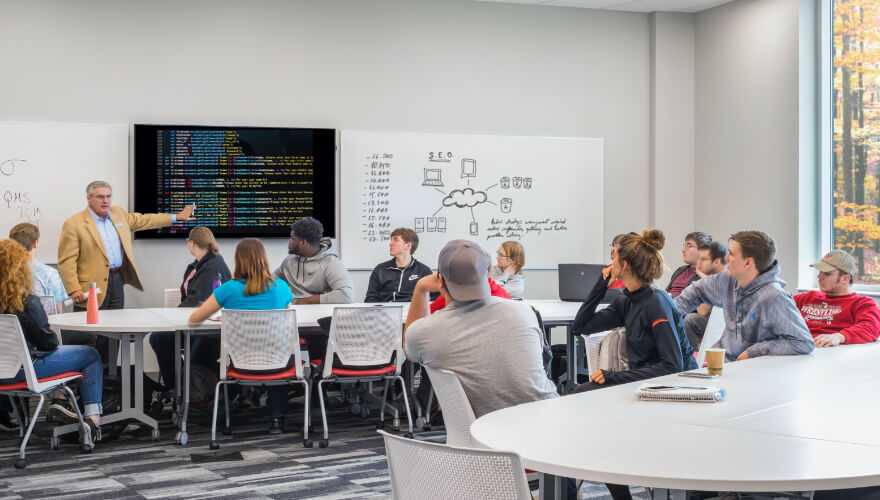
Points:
[[260, 347], [366, 342], [14, 356]]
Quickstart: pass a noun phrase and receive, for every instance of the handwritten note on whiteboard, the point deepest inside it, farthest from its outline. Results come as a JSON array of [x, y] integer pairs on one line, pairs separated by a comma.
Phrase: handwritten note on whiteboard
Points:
[[45, 167], [541, 191]]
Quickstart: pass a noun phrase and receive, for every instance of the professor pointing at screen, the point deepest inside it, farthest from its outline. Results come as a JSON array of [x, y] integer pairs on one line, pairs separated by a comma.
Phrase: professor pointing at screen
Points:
[[95, 246]]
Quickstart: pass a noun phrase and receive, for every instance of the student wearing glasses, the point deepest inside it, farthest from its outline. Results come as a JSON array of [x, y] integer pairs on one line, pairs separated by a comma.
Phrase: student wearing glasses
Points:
[[690, 254], [511, 258]]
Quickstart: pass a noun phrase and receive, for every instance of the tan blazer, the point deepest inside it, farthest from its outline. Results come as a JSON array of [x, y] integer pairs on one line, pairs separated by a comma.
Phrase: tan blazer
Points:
[[81, 255]]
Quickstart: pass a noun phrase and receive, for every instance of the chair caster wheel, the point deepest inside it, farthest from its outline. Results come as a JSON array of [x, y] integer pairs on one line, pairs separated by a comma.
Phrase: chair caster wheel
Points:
[[307, 443], [20, 463], [355, 409], [214, 445], [227, 431], [323, 443], [420, 422], [182, 437], [380, 425], [155, 435], [408, 435], [54, 442]]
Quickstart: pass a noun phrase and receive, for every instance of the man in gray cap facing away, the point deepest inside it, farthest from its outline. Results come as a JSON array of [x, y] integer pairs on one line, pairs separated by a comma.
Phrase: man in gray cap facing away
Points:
[[492, 344], [835, 314]]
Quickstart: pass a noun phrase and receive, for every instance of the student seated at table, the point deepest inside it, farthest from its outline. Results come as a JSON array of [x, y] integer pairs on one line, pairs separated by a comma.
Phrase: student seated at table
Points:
[[46, 279], [690, 254], [655, 335], [252, 288], [49, 358], [197, 285], [313, 270], [713, 260], [835, 314], [511, 257], [395, 279], [760, 317]]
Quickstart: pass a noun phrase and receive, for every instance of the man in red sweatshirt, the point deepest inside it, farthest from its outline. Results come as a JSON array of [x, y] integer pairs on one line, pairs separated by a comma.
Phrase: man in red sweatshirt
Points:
[[836, 315]]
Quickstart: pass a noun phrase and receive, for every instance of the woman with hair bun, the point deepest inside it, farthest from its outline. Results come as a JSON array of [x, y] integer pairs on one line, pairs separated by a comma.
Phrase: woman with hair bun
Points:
[[655, 335]]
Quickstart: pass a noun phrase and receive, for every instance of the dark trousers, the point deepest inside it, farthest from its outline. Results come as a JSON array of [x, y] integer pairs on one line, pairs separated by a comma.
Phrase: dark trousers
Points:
[[204, 350], [114, 298]]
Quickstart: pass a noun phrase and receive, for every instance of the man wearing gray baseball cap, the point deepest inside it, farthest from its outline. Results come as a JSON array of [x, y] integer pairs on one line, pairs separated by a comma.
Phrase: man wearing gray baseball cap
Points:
[[492, 344], [835, 314]]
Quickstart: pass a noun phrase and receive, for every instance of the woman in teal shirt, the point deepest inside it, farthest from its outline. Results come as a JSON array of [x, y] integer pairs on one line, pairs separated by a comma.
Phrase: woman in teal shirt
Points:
[[251, 288]]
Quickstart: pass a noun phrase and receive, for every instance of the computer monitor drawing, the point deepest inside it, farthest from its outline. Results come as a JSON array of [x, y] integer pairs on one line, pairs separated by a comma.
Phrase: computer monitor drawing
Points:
[[433, 177]]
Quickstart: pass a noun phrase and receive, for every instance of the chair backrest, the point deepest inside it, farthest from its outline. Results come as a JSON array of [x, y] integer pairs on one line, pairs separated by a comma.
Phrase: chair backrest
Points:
[[172, 297], [48, 303], [457, 412], [14, 351], [259, 340], [365, 336], [714, 330], [424, 470]]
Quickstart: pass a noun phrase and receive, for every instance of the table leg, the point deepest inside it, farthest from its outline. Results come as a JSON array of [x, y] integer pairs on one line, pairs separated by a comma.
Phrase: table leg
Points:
[[551, 487], [570, 355], [187, 341], [177, 388], [125, 352], [139, 379], [112, 355]]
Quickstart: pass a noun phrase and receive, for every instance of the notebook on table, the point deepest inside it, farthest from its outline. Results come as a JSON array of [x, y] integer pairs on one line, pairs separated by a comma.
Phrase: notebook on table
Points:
[[708, 393]]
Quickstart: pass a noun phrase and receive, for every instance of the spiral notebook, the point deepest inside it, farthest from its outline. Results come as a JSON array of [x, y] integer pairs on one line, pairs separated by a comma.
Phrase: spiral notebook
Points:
[[685, 393]]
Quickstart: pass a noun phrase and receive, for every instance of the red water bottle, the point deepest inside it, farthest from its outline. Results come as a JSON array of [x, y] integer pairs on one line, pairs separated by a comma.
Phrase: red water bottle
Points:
[[92, 306]]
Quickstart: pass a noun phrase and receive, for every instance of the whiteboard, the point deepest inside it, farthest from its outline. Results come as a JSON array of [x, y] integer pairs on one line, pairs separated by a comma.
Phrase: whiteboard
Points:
[[44, 170], [545, 192]]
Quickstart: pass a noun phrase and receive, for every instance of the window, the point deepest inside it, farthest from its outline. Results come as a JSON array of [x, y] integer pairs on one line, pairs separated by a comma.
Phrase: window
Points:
[[855, 99]]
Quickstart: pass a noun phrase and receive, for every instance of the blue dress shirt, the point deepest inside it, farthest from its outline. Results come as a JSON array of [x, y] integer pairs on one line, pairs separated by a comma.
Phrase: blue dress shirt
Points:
[[112, 244]]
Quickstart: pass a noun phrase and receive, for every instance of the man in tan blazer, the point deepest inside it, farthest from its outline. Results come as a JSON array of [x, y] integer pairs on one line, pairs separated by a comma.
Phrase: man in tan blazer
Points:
[[95, 246]]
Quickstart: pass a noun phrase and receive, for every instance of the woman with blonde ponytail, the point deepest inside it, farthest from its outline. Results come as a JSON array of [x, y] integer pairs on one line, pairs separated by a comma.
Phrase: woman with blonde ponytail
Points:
[[197, 285]]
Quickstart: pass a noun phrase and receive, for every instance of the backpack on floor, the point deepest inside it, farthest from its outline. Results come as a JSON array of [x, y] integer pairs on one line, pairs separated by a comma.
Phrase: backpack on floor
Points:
[[202, 383]]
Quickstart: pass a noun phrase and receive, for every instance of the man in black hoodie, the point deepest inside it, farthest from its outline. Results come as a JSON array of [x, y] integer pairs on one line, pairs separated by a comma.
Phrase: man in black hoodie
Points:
[[394, 280]]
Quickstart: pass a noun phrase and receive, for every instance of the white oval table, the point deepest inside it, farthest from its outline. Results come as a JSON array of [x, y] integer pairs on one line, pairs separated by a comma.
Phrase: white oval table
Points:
[[789, 423]]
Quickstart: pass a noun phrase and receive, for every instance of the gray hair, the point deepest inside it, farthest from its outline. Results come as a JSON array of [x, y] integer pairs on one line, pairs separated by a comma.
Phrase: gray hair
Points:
[[90, 189]]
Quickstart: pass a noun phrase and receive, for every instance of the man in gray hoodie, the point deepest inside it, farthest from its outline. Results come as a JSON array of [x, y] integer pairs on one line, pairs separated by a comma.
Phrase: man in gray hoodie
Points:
[[313, 270], [760, 317]]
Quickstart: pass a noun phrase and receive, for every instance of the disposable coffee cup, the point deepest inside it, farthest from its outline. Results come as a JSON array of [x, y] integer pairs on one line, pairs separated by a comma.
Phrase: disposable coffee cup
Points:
[[715, 360]]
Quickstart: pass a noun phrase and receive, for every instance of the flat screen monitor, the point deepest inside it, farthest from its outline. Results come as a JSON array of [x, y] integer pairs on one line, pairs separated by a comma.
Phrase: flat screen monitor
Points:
[[244, 181]]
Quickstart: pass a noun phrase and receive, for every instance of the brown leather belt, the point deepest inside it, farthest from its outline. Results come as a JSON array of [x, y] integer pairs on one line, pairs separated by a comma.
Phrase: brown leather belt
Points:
[[116, 270]]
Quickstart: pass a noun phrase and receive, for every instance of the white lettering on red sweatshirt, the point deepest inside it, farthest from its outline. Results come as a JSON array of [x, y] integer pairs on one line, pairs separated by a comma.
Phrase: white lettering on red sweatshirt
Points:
[[855, 316]]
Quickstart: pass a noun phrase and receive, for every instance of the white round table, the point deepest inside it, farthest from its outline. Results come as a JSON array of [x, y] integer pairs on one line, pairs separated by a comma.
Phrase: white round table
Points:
[[789, 423]]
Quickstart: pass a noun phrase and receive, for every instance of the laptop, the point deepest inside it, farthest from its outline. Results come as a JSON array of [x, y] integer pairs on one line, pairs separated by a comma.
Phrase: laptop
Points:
[[433, 177], [576, 280]]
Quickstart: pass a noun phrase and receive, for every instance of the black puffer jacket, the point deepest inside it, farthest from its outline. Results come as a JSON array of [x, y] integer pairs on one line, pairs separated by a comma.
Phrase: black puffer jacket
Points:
[[202, 284]]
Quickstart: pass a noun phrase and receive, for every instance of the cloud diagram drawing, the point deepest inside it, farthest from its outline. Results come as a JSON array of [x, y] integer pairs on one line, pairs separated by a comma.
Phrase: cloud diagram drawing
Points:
[[466, 197]]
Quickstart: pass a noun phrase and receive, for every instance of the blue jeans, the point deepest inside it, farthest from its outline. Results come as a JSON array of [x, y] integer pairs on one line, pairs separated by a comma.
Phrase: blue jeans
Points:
[[73, 358]]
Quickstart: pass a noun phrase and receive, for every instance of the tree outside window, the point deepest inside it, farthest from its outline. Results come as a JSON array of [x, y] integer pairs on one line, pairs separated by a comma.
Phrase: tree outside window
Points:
[[856, 128]]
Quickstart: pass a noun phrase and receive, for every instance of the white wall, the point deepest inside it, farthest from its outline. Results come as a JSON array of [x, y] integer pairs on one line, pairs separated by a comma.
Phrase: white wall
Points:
[[418, 65], [746, 138]]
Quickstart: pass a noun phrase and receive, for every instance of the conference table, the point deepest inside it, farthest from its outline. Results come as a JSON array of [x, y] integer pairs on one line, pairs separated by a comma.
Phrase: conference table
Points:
[[131, 326], [788, 423]]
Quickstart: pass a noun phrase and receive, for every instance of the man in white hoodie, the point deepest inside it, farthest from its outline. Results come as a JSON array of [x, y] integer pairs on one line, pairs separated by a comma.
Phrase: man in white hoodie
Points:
[[313, 270]]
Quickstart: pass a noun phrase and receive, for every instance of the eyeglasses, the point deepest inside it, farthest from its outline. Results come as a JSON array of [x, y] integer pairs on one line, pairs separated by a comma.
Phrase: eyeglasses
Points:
[[501, 255]]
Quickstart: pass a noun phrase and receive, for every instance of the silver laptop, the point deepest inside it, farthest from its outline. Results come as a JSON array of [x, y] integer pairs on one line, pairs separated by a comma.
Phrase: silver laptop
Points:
[[576, 280]]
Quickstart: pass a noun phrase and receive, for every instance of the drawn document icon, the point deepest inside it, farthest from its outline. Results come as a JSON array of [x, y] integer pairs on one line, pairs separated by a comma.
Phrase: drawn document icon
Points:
[[441, 224], [432, 224], [468, 167], [420, 224], [433, 177]]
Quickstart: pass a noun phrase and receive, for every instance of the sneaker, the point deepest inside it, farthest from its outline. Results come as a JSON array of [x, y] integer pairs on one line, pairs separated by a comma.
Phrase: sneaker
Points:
[[61, 411], [92, 434], [277, 426], [6, 422]]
